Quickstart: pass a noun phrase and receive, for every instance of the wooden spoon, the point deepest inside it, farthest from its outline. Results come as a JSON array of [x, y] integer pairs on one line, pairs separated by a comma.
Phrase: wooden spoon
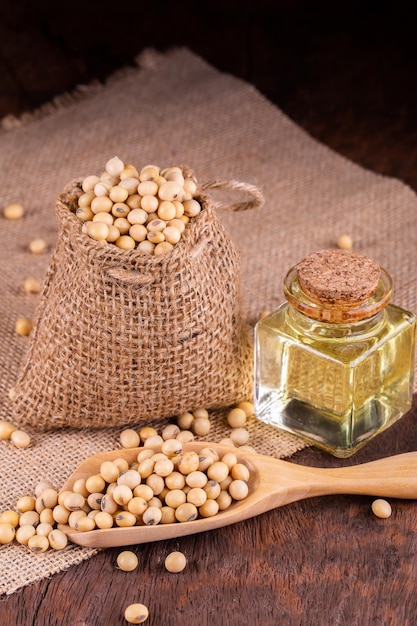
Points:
[[273, 483]]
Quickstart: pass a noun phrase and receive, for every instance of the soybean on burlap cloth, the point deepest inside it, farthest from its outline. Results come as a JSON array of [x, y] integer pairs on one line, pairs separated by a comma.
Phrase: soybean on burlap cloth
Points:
[[177, 109]]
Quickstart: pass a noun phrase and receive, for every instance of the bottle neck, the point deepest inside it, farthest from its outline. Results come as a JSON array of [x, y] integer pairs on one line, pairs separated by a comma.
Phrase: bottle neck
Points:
[[307, 326]]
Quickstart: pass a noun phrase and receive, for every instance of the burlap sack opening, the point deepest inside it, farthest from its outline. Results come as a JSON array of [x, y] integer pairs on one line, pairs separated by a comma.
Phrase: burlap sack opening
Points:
[[122, 336]]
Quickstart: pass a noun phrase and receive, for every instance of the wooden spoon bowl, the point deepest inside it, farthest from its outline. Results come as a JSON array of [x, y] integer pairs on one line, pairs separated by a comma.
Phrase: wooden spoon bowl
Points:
[[273, 483]]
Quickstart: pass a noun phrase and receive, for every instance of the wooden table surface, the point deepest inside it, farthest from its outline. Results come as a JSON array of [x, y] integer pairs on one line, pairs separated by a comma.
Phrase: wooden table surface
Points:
[[348, 77]]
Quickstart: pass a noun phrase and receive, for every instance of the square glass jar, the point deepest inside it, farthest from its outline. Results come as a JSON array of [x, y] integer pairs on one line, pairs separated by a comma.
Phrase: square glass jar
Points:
[[338, 383]]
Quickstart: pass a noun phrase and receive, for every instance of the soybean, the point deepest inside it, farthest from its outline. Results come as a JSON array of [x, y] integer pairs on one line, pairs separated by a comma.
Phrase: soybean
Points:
[[140, 199], [6, 430], [20, 439], [381, 508], [13, 211], [127, 561], [38, 246], [136, 613], [32, 285], [7, 533], [175, 562], [23, 326]]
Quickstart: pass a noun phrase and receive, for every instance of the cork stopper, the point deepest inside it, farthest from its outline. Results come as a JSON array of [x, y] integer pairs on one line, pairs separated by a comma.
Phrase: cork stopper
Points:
[[338, 277]]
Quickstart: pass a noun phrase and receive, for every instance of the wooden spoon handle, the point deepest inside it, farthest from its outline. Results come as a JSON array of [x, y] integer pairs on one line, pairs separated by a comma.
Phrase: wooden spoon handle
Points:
[[390, 477]]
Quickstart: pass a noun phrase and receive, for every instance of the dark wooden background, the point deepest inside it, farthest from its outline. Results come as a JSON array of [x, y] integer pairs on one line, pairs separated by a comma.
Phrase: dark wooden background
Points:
[[345, 72]]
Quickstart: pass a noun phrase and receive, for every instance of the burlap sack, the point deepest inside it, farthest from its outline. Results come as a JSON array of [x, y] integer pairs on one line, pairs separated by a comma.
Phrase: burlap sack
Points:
[[120, 336]]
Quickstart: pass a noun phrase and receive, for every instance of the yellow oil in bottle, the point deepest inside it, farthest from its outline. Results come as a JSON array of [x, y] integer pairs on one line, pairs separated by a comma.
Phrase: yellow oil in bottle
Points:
[[334, 384]]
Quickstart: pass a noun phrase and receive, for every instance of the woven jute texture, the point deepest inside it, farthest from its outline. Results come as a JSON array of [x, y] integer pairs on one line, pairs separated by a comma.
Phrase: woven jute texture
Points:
[[175, 109], [121, 336]]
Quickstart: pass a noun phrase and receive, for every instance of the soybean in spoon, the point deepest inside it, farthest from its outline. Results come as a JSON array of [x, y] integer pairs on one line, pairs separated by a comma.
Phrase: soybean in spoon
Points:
[[272, 483]]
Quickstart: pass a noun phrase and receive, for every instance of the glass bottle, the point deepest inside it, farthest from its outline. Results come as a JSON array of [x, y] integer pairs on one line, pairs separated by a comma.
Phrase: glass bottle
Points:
[[335, 371]]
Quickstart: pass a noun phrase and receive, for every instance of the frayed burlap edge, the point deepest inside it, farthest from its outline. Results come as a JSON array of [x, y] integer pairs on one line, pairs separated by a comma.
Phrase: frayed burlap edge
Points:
[[147, 59]]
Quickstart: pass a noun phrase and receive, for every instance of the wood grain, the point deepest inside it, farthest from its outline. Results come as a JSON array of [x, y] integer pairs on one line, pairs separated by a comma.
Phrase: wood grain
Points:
[[324, 561], [350, 82]]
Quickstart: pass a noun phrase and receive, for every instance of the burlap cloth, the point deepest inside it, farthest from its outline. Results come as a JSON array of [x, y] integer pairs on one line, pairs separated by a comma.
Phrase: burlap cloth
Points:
[[173, 109]]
